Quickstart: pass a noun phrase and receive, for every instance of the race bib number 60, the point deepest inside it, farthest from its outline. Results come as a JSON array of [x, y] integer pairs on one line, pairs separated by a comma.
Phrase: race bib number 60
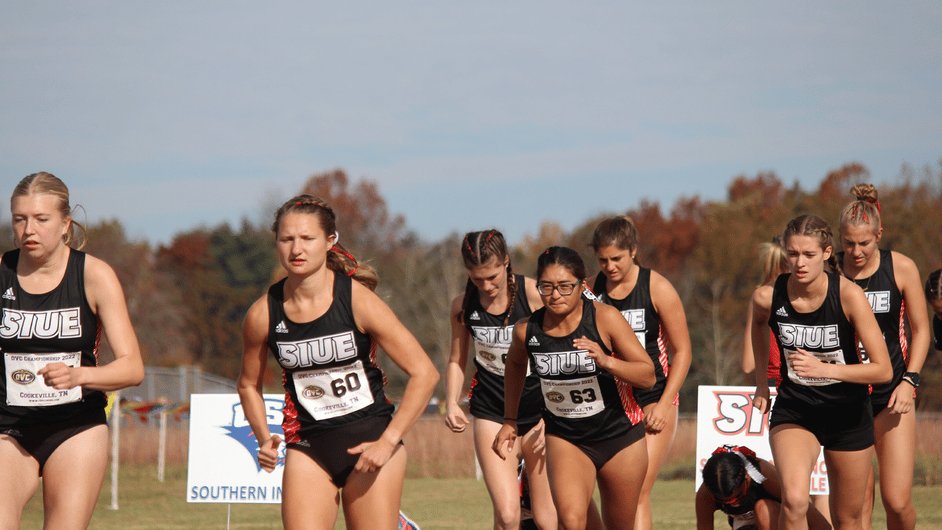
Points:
[[331, 392]]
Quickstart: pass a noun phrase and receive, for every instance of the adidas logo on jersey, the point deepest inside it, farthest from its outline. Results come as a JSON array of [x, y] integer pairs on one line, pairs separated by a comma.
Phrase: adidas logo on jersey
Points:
[[533, 342], [281, 327], [475, 316], [8, 295], [781, 312]]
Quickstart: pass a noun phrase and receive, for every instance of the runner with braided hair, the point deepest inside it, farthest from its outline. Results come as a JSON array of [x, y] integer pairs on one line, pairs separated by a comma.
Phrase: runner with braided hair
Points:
[[774, 263], [494, 300], [823, 400]]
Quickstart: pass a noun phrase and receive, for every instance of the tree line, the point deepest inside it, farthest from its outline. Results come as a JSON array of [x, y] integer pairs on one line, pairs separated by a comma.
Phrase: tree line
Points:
[[187, 299]]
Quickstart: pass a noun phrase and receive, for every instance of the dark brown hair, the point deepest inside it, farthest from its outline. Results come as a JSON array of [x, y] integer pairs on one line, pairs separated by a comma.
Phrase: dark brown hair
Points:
[[619, 231], [563, 256], [934, 285], [477, 248]]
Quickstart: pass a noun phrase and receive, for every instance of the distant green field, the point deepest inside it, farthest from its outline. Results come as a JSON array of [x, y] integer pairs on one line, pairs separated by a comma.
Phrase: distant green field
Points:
[[145, 504]]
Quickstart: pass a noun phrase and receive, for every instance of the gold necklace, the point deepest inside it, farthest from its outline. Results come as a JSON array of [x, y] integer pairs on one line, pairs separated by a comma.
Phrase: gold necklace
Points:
[[860, 283]]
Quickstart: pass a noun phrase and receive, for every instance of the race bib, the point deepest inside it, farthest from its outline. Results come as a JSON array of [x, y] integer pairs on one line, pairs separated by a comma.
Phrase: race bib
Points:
[[573, 399], [830, 357], [25, 388], [864, 358], [331, 392], [745, 521], [491, 357]]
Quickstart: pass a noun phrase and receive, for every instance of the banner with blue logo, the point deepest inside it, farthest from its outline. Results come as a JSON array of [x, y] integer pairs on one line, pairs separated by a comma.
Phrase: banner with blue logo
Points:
[[223, 455]]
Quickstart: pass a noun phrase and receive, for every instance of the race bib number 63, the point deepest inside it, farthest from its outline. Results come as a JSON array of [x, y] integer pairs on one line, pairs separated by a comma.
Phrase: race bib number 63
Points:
[[573, 399]]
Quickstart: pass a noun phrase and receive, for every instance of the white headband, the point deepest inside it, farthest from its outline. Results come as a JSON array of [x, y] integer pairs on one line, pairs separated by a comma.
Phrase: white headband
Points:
[[754, 473]]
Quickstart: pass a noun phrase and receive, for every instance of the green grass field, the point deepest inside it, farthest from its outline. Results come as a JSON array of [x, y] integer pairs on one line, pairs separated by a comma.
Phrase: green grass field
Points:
[[145, 503]]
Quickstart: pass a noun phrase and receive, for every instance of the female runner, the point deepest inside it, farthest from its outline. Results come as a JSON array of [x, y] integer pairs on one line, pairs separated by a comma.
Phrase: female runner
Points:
[[56, 300], [893, 287], [774, 263], [653, 310], [823, 399], [494, 300], [323, 323], [934, 295], [747, 489], [593, 426]]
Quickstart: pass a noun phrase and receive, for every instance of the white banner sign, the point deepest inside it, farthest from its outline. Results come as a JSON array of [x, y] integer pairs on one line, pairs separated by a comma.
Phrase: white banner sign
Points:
[[223, 460], [725, 416]]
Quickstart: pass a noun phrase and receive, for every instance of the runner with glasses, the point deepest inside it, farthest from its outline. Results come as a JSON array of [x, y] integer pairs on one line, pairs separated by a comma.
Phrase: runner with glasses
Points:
[[587, 358], [483, 318]]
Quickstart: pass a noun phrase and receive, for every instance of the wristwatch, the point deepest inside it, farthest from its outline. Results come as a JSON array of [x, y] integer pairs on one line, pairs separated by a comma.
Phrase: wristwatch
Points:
[[912, 378]]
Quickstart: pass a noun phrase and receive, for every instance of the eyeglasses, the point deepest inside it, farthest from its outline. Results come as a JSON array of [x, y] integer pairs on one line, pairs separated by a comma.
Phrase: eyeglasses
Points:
[[565, 289]]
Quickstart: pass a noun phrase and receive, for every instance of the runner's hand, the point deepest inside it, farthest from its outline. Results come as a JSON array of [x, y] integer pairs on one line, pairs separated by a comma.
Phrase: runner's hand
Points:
[[539, 438], [762, 400], [655, 417], [901, 401], [507, 435], [373, 455], [60, 376], [595, 352], [807, 365], [268, 453], [455, 419]]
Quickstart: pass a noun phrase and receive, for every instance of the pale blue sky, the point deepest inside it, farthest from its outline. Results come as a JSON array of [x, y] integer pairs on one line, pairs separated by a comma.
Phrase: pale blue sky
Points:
[[168, 115]]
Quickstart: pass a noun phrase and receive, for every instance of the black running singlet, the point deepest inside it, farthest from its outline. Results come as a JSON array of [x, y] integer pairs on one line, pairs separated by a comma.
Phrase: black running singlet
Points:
[[38, 329], [638, 310], [582, 401], [329, 367], [890, 309], [491, 339], [825, 333]]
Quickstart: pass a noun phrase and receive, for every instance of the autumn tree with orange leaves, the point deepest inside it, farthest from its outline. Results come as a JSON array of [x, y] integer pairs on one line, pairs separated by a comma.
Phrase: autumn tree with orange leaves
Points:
[[187, 299]]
